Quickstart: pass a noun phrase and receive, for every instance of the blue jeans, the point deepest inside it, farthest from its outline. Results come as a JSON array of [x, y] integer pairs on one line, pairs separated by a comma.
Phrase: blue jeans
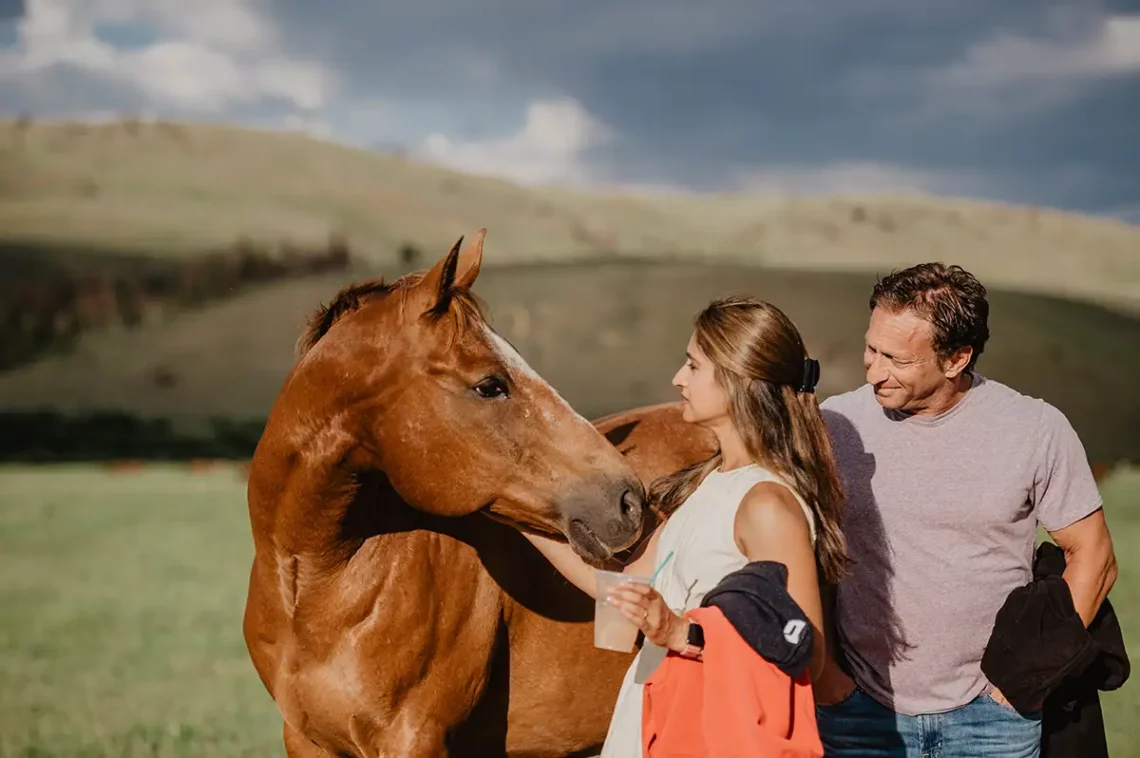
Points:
[[983, 728]]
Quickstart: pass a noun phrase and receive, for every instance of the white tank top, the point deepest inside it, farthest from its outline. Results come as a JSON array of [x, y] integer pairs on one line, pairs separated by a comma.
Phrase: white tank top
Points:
[[701, 534]]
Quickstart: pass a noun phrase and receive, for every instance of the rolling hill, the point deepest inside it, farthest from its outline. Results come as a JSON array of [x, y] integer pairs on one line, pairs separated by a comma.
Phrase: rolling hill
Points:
[[1066, 287], [227, 361], [159, 189]]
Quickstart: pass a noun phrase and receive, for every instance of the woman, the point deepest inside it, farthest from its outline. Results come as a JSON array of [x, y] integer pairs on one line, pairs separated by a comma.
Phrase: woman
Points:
[[769, 493]]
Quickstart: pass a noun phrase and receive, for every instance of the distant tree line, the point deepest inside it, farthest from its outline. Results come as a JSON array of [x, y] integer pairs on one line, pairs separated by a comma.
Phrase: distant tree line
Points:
[[46, 310], [50, 436]]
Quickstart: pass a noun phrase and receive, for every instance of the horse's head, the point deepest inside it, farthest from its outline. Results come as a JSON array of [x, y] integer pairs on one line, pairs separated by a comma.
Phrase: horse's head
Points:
[[458, 421]]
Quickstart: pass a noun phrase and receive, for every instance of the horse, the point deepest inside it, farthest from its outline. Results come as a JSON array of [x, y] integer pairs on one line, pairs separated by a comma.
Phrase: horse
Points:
[[394, 606]]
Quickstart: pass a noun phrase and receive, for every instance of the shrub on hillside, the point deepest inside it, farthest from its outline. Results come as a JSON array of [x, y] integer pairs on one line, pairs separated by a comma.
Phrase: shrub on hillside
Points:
[[46, 310]]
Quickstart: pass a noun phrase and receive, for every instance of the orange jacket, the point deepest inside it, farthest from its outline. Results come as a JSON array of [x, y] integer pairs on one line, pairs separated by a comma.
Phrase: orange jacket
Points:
[[732, 704]]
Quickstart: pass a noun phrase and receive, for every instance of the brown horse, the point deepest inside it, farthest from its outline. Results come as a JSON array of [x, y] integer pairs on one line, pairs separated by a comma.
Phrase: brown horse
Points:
[[394, 608]]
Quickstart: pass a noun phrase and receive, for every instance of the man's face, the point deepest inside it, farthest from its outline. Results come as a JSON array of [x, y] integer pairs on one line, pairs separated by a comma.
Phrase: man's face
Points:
[[901, 363]]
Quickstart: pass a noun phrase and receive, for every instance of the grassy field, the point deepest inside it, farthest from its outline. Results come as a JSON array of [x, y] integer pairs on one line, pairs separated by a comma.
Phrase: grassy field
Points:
[[121, 594], [121, 597], [121, 609], [172, 189]]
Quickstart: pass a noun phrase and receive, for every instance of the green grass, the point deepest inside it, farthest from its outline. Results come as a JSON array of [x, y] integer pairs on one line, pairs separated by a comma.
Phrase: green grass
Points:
[[120, 613], [174, 189], [1121, 494], [121, 598]]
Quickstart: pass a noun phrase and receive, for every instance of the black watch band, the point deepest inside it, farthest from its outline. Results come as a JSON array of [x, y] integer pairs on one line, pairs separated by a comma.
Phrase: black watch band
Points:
[[694, 641]]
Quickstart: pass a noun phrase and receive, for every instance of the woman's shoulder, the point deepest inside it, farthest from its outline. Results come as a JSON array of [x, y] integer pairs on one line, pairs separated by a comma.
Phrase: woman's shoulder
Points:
[[770, 511]]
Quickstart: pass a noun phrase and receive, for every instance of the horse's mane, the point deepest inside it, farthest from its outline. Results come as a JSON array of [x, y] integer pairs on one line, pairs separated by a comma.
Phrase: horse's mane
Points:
[[468, 308]]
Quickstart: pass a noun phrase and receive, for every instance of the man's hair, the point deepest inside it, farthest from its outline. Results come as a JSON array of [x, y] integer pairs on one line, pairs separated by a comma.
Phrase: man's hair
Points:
[[950, 298]]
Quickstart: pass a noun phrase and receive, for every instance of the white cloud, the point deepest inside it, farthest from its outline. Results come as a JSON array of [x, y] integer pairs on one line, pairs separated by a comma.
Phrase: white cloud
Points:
[[1010, 61], [551, 146], [205, 57], [848, 177], [313, 127], [1012, 78], [228, 24]]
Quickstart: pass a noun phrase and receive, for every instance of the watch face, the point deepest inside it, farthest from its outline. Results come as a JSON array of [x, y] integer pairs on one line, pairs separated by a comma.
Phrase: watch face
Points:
[[696, 635]]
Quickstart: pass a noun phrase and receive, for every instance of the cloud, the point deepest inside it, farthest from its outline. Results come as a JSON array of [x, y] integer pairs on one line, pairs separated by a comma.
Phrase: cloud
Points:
[[849, 177], [552, 146], [1023, 100], [308, 125], [1011, 77], [1012, 61], [201, 57]]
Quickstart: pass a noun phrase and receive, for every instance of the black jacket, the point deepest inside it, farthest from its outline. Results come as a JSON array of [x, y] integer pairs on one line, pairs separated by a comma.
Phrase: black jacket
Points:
[[756, 602], [1041, 656]]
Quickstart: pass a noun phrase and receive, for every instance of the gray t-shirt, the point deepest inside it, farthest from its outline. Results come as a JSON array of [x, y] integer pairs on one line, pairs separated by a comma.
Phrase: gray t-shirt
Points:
[[941, 519]]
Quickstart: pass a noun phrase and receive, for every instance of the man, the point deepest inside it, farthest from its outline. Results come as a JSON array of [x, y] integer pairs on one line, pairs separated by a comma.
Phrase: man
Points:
[[947, 475]]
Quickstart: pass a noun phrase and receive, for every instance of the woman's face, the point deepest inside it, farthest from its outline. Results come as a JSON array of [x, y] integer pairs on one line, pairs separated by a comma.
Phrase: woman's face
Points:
[[703, 400]]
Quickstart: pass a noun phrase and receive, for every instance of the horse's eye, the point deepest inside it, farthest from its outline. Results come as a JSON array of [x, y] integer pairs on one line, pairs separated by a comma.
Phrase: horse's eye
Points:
[[492, 386]]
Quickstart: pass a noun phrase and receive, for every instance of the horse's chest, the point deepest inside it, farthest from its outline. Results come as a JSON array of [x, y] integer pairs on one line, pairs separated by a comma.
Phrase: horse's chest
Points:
[[319, 685], [369, 660]]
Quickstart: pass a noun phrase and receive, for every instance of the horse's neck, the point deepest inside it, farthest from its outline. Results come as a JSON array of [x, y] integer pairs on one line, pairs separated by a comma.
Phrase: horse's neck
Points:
[[300, 491], [339, 543]]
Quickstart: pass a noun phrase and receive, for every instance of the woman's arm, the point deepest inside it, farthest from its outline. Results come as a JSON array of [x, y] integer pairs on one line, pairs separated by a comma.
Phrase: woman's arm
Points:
[[771, 526], [580, 573]]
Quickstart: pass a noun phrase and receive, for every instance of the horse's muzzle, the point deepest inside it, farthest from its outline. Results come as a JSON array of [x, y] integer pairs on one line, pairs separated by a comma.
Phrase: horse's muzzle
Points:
[[597, 530]]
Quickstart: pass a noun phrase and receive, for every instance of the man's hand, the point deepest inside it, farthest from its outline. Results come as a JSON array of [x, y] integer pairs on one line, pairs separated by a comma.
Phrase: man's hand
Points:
[[995, 693], [998, 697], [833, 686]]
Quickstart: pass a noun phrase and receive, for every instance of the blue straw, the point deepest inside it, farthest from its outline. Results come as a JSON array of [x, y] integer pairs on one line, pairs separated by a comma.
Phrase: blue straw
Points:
[[659, 567]]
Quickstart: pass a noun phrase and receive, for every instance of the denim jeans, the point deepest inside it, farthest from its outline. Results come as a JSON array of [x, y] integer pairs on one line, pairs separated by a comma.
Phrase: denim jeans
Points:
[[983, 728]]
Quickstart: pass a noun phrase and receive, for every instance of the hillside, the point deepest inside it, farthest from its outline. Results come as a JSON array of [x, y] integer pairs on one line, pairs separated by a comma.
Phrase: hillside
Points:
[[228, 360], [170, 190]]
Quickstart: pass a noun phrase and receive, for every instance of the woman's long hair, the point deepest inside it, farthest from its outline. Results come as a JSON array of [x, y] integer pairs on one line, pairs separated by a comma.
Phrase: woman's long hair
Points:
[[760, 362]]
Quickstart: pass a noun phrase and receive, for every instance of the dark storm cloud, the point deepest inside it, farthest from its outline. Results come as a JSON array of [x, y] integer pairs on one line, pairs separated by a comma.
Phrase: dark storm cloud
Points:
[[11, 10], [1021, 100]]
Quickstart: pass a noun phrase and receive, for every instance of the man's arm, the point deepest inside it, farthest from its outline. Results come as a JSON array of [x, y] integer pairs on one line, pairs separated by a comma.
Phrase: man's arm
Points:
[[1090, 563], [1090, 567], [1068, 505]]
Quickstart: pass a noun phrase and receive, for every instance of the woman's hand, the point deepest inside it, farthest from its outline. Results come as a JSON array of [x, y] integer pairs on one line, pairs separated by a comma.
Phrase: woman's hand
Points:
[[646, 609]]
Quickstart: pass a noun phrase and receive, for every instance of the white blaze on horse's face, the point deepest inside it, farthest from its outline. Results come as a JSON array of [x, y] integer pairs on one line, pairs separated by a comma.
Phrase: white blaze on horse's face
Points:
[[572, 475], [521, 369]]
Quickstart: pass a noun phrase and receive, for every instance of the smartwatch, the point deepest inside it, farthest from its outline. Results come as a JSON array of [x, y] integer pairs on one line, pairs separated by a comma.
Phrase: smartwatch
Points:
[[695, 641]]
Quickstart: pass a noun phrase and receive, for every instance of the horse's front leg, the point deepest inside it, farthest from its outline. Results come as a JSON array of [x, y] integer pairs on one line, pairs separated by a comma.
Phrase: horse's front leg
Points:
[[426, 742], [454, 709], [298, 745], [409, 739]]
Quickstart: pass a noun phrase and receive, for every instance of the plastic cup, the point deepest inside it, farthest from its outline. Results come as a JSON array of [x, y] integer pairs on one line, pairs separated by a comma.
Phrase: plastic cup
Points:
[[612, 630]]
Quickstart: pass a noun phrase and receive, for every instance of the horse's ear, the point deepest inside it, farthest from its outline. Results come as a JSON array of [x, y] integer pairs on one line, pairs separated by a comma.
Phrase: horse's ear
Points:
[[469, 261], [437, 283], [457, 270]]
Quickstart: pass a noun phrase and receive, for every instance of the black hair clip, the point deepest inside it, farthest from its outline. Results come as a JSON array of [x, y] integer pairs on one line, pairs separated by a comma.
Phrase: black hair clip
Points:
[[811, 375]]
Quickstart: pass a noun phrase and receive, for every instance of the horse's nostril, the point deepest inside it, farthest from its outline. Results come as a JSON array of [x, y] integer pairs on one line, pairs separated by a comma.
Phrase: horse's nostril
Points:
[[630, 504]]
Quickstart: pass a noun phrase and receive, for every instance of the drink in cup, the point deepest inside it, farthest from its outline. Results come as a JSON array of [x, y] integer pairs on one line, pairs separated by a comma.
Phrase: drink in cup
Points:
[[612, 630]]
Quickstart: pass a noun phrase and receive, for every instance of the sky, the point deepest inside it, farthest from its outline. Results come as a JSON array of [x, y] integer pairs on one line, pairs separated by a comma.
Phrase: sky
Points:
[[1027, 101]]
